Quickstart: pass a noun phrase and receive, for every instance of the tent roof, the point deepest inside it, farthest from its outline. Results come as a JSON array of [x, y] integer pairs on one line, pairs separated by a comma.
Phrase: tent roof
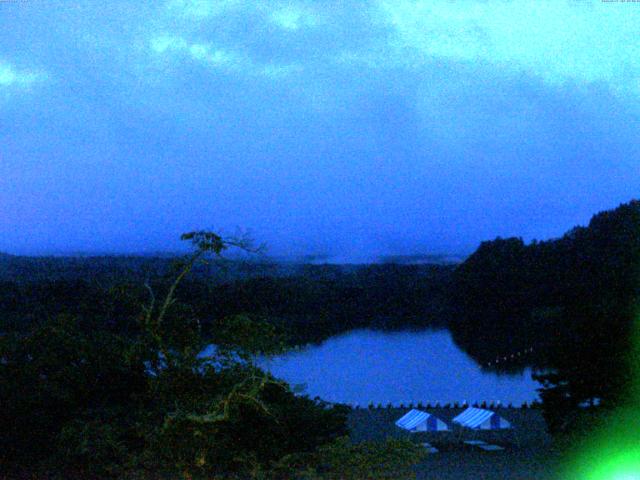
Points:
[[412, 419], [475, 417]]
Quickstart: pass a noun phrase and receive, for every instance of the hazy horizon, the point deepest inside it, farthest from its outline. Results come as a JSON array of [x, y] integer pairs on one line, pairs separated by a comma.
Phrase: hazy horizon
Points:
[[415, 258]]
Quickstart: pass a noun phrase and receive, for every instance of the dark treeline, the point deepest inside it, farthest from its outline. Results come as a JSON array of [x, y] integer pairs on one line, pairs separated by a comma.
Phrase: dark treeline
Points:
[[108, 270], [307, 303], [318, 304], [572, 299]]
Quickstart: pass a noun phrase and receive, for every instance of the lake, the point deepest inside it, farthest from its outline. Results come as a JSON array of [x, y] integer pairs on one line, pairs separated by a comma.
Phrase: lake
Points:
[[364, 366]]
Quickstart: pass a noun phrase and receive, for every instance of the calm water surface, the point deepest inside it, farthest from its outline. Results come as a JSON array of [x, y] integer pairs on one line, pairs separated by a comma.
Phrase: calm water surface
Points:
[[365, 366]]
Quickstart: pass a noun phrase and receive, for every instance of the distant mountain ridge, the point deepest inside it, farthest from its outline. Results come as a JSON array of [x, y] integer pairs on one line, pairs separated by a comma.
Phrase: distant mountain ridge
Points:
[[108, 269], [424, 258]]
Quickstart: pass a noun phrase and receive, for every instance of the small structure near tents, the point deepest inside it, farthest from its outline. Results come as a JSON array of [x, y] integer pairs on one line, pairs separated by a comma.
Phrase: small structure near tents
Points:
[[419, 421], [481, 419]]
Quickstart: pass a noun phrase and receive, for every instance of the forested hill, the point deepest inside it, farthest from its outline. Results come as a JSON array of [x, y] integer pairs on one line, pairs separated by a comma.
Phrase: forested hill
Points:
[[114, 269], [572, 296], [307, 302]]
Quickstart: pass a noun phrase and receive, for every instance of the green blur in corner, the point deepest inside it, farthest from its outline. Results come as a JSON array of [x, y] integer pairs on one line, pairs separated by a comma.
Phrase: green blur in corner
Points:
[[616, 466], [613, 452]]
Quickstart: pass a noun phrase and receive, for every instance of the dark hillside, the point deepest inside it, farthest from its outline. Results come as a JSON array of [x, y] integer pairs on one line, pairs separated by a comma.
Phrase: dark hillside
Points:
[[572, 300]]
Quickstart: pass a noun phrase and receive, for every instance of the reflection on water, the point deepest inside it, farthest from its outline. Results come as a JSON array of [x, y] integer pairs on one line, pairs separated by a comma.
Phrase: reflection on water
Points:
[[365, 366]]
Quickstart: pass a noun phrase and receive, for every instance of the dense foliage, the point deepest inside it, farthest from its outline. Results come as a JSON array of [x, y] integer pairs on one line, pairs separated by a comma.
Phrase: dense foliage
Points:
[[97, 383], [342, 460], [572, 299], [82, 399]]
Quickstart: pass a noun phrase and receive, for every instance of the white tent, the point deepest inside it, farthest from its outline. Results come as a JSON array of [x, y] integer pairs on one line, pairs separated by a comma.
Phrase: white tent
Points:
[[419, 421], [481, 419]]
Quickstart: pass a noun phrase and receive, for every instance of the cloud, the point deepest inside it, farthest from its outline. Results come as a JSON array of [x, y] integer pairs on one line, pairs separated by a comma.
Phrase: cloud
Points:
[[321, 44], [217, 57], [220, 58], [202, 8], [9, 76], [293, 17], [287, 15], [164, 44], [205, 53], [276, 71], [558, 41], [278, 41]]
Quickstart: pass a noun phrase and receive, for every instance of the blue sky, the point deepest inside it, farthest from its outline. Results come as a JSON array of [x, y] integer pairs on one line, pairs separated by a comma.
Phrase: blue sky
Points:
[[346, 128]]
